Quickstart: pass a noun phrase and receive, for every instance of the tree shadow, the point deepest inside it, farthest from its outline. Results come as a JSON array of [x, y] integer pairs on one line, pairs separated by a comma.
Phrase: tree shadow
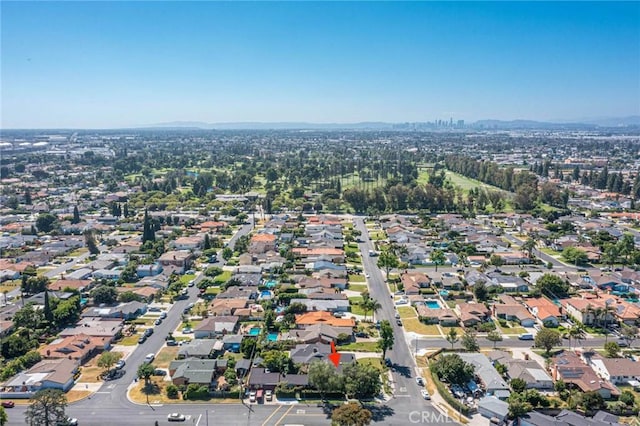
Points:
[[151, 388], [380, 412], [403, 370]]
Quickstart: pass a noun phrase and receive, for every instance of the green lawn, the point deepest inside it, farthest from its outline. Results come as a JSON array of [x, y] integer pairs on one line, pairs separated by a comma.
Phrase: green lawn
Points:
[[377, 235], [165, 356], [407, 312], [223, 277], [357, 287], [213, 290], [130, 340], [513, 329], [414, 325], [357, 278], [357, 310], [360, 347], [184, 279], [376, 362]]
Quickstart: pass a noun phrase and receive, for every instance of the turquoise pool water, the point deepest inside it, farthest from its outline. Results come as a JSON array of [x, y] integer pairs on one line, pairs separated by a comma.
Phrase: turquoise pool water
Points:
[[254, 331], [444, 293], [432, 304], [265, 293], [272, 337], [270, 284]]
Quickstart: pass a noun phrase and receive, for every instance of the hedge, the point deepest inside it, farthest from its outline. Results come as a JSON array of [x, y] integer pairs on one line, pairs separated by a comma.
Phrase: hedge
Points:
[[444, 392]]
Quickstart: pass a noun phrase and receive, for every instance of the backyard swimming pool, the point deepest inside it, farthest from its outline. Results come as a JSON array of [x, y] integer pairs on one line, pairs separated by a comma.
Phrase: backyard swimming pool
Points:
[[272, 337], [254, 331], [432, 304], [270, 284]]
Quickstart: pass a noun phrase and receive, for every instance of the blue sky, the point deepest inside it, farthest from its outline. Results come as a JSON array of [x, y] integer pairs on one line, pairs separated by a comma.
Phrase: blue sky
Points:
[[101, 65]]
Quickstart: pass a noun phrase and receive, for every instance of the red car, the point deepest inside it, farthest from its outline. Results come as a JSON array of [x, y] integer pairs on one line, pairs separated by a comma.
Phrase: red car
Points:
[[8, 404]]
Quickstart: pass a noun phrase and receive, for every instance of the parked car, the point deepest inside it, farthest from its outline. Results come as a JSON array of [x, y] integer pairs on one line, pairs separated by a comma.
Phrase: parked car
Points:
[[425, 394], [159, 372], [142, 339], [157, 322], [67, 422], [361, 334], [187, 330], [113, 374], [397, 315], [252, 396], [172, 342], [387, 362], [8, 404], [399, 322], [120, 364], [176, 417], [149, 358], [420, 381], [148, 332], [163, 315], [268, 395], [622, 343], [526, 336]]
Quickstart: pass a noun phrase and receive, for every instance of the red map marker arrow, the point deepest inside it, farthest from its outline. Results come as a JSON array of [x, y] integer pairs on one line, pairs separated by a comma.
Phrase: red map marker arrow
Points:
[[334, 356]]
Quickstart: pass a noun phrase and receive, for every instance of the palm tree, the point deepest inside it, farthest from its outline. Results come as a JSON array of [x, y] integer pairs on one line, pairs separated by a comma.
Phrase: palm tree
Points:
[[529, 246], [606, 311], [373, 306], [576, 332], [452, 337]]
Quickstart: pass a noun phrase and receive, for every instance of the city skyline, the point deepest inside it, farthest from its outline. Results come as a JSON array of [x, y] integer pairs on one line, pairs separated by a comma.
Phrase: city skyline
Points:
[[129, 64]]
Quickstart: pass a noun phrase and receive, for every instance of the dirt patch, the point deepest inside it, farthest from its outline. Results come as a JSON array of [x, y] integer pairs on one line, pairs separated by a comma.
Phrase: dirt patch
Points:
[[75, 395]]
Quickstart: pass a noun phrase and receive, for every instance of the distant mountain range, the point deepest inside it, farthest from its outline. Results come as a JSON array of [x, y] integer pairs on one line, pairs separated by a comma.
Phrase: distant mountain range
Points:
[[607, 122]]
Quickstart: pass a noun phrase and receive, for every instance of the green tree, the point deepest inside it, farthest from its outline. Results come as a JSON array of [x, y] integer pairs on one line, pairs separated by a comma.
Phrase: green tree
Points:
[[452, 337], [104, 294], [528, 246], [518, 385], [76, 215], [47, 222], [90, 242], [231, 377], [496, 260], [247, 347], [629, 333], [145, 371], [351, 414], [3, 417], [172, 390], [227, 253], [276, 360], [518, 408], [592, 401], [47, 408], [453, 369], [48, 314], [361, 380], [438, 258], [548, 338], [552, 286], [494, 336], [470, 342], [324, 378], [576, 333], [388, 261], [575, 255], [612, 349], [627, 397], [148, 231], [108, 359], [386, 337], [480, 291]]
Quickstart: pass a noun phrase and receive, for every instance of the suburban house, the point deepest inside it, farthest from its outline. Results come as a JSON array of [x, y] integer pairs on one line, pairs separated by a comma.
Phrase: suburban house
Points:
[[516, 312], [149, 270], [493, 408], [414, 281], [213, 327], [528, 370], [472, 313], [222, 307], [180, 259], [79, 347], [47, 374], [323, 317], [444, 317], [614, 370], [493, 383], [584, 309], [262, 243], [198, 348], [201, 372], [545, 311], [324, 305], [510, 283], [316, 333], [188, 243], [568, 367], [110, 328], [124, 311], [569, 418]]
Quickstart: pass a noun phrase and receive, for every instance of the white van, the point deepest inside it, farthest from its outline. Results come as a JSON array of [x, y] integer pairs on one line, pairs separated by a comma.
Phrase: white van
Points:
[[149, 358], [526, 336]]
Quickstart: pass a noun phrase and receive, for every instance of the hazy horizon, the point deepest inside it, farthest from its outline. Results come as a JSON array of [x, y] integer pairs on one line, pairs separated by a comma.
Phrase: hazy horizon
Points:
[[132, 64]]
